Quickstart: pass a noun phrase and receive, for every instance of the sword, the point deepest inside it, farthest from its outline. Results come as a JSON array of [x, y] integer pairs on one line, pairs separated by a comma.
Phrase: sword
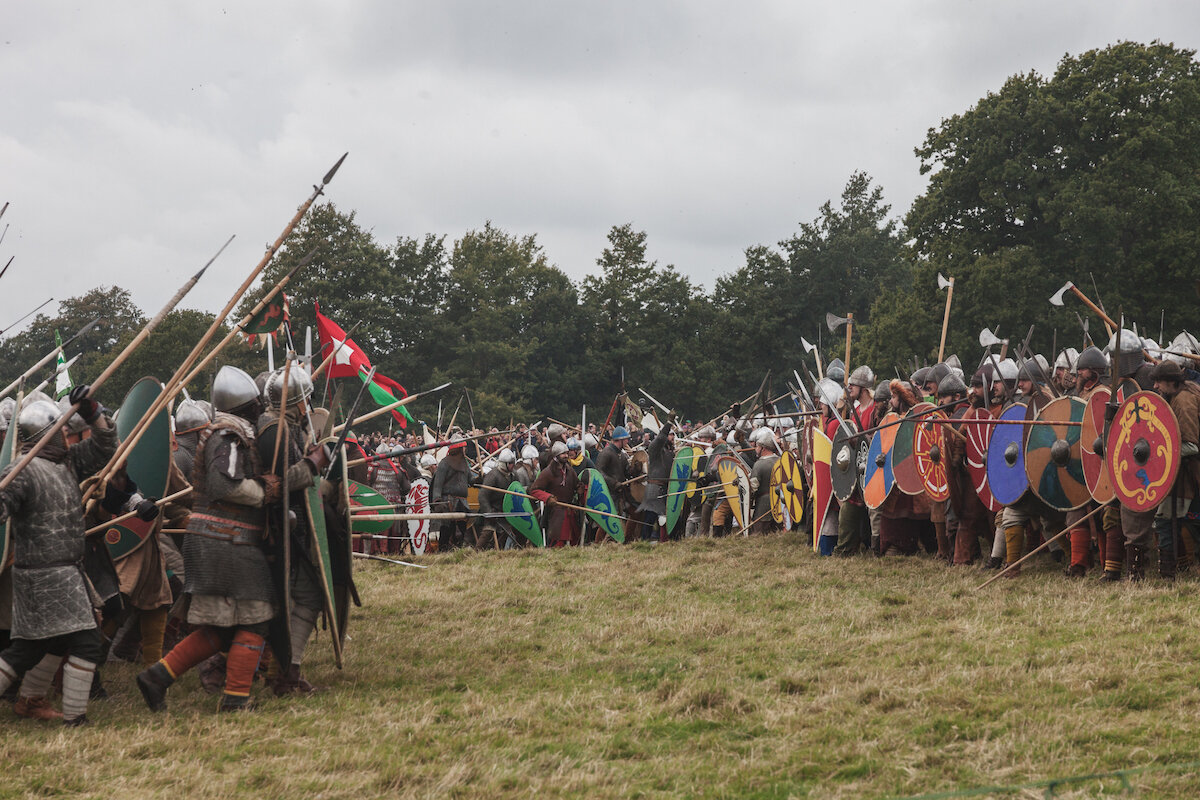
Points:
[[661, 407]]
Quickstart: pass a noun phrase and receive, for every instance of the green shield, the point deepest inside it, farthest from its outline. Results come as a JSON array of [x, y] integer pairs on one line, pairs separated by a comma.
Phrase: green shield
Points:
[[599, 498], [316, 519], [681, 473], [148, 463], [362, 499], [525, 521]]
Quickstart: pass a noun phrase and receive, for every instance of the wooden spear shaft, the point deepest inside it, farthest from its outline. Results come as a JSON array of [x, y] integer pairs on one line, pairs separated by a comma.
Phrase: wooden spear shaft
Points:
[[849, 333], [123, 517], [1040, 547], [564, 505], [1108, 321], [105, 375], [945, 320], [385, 409]]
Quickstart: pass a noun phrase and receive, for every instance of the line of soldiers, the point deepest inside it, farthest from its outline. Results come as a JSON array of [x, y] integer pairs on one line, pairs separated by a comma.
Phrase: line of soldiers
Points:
[[226, 575]]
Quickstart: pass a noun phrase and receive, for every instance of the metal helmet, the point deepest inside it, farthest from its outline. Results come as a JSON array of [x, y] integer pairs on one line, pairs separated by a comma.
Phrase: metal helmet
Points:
[[428, 460], [1066, 359], [882, 392], [936, 373], [836, 371], [573, 444], [619, 432], [1183, 343], [763, 437], [1091, 358], [862, 376], [707, 433], [7, 407], [1008, 370], [75, 424], [590, 440], [300, 386], [190, 415], [506, 456], [558, 449], [782, 423], [918, 378], [529, 453], [555, 430], [489, 465], [951, 385], [954, 362], [36, 418], [1125, 350], [233, 388], [829, 392], [1031, 371]]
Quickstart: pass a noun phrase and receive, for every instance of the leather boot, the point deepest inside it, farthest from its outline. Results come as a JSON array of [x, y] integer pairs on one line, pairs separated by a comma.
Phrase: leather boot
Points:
[[38, 708], [290, 682], [1135, 556], [153, 683]]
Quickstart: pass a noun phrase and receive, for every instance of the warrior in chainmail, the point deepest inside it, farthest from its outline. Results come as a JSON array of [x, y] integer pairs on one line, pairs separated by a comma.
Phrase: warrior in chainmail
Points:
[[231, 596], [298, 465], [52, 605], [449, 493], [496, 532], [658, 472]]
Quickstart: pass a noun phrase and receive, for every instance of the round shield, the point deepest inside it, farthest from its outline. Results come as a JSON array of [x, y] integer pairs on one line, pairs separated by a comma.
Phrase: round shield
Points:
[[1052, 455], [978, 438], [843, 464], [877, 474], [929, 452], [904, 462], [597, 497], [791, 489], [776, 496], [418, 503], [735, 485], [1006, 458], [1143, 451], [1091, 446]]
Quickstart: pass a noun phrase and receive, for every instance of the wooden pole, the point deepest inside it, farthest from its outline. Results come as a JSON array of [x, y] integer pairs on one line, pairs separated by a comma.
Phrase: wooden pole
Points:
[[849, 333], [1108, 321], [564, 505], [385, 409], [123, 517], [1041, 547], [946, 320]]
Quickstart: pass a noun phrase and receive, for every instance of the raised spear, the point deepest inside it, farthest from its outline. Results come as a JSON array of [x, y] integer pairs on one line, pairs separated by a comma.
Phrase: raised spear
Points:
[[10, 260], [142, 335], [53, 354], [27, 316]]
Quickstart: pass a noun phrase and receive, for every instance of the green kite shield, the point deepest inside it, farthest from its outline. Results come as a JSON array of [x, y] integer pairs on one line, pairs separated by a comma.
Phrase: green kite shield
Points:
[[523, 521], [315, 511], [364, 503], [681, 472], [1143, 451], [150, 458], [1052, 456], [599, 498]]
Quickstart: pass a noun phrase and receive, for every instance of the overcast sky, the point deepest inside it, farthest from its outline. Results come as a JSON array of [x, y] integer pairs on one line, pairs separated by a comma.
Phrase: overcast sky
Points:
[[138, 136]]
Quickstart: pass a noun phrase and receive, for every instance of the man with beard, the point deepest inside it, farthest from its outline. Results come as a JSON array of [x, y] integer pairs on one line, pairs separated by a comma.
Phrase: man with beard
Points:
[[451, 483], [555, 484]]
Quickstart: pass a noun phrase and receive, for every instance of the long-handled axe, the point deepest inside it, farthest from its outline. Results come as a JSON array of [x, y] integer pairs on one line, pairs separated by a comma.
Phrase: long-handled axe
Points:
[[948, 285], [809, 347], [1056, 299], [833, 321]]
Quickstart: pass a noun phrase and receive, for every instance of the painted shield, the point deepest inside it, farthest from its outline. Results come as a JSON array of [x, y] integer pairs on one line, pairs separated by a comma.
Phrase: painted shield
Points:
[[524, 520], [696, 469], [418, 503], [791, 489], [599, 498], [822, 485], [365, 502], [978, 439], [150, 458], [637, 489], [1052, 455], [878, 479], [315, 510], [1143, 451], [1006, 458], [735, 482], [681, 471], [929, 452], [1091, 446], [843, 464], [776, 496], [904, 460]]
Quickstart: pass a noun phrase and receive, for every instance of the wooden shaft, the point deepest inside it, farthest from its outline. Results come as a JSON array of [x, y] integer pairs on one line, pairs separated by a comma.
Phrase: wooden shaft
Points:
[[53, 354], [123, 517], [849, 333], [945, 320], [385, 409], [281, 423], [950, 421], [1108, 322], [564, 505], [1040, 547]]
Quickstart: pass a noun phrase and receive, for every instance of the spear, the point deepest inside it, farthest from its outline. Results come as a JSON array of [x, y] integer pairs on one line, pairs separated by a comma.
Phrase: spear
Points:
[[172, 386], [53, 354], [133, 345], [389, 407], [123, 517], [404, 451], [10, 260], [389, 560], [564, 505], [27, 316]]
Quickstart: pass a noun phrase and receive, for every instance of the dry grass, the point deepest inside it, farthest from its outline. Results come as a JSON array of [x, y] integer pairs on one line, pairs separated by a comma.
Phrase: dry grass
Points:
[[724, 668]]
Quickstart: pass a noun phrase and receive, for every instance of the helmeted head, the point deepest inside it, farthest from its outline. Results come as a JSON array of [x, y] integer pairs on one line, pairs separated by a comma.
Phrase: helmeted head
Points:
[[7, 406], [1125, 352], [862, 376], [1183, 343], [506, 457], [590, 441], [574, 445], [300, 387], [191, 416], [882, 392], [829, 392], [75, 425], [37, 418], [951, 387], [619, 434], [427, 460], [555, 431], [529, 453], [934, 377], [559, 451], [836, 371], [234, 390], [707, 434]]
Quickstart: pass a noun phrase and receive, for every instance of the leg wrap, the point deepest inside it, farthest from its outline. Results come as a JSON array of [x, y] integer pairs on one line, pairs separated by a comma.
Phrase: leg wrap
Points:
[[36, 682], [76, 686], [304, 622], [244, 655], [199, 645], [153, 626], [1081, 546]]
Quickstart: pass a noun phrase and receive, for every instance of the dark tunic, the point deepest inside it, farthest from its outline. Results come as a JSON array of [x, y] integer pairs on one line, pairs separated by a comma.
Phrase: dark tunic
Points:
[[658, 472], [561, 482]]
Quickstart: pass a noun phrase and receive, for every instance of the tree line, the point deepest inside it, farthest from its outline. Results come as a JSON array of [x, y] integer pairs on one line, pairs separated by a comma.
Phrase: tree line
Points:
[[1092, 172]]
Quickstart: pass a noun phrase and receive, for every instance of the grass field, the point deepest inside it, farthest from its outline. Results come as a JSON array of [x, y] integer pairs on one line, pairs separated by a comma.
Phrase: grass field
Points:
[[725, 668]]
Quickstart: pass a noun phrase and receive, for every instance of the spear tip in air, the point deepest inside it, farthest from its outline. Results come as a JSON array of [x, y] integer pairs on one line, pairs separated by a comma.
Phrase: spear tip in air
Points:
[[333, 170]]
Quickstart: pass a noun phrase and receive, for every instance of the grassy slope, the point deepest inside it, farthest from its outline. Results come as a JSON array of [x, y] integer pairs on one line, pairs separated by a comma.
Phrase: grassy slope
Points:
[[737, 668]]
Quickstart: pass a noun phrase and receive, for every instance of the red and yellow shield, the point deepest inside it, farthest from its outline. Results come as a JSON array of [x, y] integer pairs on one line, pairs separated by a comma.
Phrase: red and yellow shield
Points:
[[1143, 451]]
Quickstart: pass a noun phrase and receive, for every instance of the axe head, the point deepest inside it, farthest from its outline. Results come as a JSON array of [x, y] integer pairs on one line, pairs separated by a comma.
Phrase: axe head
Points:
[[1056, 299], [988, 339], [944, 283], [808, 346], [833, 321]]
